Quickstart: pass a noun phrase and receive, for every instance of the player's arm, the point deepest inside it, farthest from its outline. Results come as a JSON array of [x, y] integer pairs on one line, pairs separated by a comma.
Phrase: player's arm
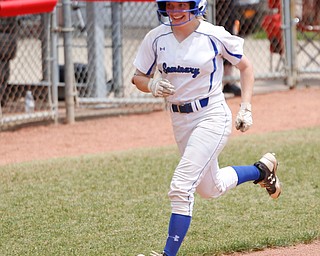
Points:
[[246, 78], [141, 80], [244, 117]]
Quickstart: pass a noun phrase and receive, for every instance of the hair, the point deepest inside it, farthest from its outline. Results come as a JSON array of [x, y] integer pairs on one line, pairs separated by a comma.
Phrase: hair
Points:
[[201, 17]]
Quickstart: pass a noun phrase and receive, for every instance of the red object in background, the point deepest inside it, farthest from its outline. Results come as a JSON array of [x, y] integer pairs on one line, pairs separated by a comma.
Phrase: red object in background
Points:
[[274, 4], [272, 25], [117, 1], [9, 8]]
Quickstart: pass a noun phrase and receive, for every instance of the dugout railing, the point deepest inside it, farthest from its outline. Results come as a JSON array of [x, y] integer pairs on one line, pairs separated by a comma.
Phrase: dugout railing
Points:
[[76, 58]]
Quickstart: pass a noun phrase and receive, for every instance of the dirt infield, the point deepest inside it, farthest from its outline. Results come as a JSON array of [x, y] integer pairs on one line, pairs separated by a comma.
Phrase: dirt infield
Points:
[[274, 111], [298, 250]]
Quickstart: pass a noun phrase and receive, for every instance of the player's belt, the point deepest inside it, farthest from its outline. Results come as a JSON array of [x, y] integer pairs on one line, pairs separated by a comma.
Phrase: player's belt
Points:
[[189, 107]]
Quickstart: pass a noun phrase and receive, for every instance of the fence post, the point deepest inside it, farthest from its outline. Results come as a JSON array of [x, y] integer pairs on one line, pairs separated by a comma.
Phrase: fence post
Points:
[[96, 42], [116, 10], [44, 35], [290, 41], [68, 62], [54, 63], [211, 11]]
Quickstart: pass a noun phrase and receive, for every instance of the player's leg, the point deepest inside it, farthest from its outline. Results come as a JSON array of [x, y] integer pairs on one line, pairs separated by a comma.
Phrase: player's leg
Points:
[[216, 181], [200, 138], [263, 172]]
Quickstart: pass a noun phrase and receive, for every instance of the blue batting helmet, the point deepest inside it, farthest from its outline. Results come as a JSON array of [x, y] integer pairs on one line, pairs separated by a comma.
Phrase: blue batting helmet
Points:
[[197, 7]]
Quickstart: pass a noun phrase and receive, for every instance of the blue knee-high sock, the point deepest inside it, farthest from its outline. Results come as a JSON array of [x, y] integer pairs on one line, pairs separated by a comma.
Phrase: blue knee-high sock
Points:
[[178, 228], [247, 173]]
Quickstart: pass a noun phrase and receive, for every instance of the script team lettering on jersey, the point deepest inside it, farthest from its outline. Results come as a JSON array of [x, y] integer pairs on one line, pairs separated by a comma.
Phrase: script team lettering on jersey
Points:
[[179, 69]]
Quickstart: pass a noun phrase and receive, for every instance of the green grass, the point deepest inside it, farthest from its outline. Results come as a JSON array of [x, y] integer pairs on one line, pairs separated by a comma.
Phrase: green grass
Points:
[[261, 34], [116, 204]]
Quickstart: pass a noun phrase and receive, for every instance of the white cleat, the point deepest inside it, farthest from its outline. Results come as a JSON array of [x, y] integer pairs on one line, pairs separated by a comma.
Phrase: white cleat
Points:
[[153, 253], [268, 164]]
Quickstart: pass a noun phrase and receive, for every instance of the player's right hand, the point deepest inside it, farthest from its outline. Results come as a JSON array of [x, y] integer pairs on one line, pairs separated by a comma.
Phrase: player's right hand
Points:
[[160, 87], [244, 117]]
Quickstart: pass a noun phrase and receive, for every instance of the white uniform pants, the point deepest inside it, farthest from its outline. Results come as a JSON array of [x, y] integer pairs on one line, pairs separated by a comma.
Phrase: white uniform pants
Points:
[[200, 137]]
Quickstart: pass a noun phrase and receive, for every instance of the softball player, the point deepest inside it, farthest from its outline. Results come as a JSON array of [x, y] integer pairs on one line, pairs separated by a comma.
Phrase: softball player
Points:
[[188, 54]]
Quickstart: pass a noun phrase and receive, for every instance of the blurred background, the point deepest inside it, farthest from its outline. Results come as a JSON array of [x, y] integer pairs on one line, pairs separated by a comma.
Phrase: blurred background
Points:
[[64, 60]]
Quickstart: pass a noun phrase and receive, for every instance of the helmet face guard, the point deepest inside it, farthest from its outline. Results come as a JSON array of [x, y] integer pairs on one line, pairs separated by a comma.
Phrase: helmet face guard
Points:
[[197, 8], [165, 19]]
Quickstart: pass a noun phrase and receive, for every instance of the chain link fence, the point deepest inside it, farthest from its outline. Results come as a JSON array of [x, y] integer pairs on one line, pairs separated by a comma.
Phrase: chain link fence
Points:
[[308, 35], [85, 67], [106, 36], [24, 69]]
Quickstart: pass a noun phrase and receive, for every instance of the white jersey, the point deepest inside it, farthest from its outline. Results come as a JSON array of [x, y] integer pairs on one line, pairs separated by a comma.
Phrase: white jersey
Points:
[[195, 65]]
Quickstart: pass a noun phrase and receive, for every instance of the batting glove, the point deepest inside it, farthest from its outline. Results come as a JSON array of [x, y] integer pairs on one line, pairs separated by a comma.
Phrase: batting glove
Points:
[[244, 117], [160, 87]]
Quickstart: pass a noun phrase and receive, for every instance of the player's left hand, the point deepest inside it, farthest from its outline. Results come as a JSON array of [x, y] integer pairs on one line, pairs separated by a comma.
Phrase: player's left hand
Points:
[[244, 118]]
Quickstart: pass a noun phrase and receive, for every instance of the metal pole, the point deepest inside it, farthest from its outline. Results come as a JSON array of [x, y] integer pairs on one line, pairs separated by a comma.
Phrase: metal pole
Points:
[[116, 10], [293, 22], [54, 64], [210, 16], [289, 34], [96, 41], [68, 62], [44, 38]]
